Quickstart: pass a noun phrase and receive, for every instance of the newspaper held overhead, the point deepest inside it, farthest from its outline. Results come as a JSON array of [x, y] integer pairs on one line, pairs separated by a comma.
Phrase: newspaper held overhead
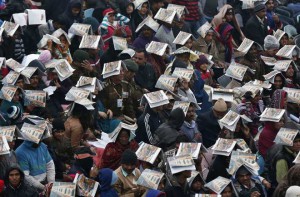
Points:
[[4, 147], [184, 105], [89, 83], [147, 152], [237, 71], [204, 29], [192, 149], [282, 65], [218, 185], [64, 69], [59, 32], [120, 43], [36, 16], [150, 179], [28, 71], [149, 22], [230, 120], [226, 94], [63, 189], [223, 146], [43, 42], [111, 69], [243, 145], [262, 84], [272, 114], [89, 42], [165, 15], [76, 94], [88, 104], [156, 98], [182, 38], [278, 34], [20, 18], [293, 95], [166, 82], [14, 65], [79, 29], [271, 76], [157, 48], [8, 92], [10, 28], [33, 133], [179, 9], [8, 132], [269, 61], [286, 136], [85, 186], [114, 135], [183, 73], [286, 51], [245, 46], [181, 163], [35, 97]]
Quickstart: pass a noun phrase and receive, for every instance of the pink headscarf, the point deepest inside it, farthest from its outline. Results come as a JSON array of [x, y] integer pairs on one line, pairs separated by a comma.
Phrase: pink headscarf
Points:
[[45, 56]]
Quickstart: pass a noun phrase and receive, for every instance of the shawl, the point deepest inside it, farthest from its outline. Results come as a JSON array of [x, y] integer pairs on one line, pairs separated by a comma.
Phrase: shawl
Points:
[[277, 100], [223, 29]]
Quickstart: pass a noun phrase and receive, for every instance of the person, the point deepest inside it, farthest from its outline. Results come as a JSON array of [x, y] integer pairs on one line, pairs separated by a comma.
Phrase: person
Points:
[[208, 122], [13, 6], [196, 185], [257, 23], [178, 184], [225, 44], [273, 20], [54, 8], [72, 13], [38, 172], [279, 99], [107, 178], [52, 26], [15, 184], [127, 175], [169, 131], [8, 160], [145, 36], [113, 151], [202, 65], [139, 14]]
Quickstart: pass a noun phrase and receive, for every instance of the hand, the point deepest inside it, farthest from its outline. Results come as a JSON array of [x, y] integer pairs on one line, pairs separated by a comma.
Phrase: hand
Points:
[[109, 114], [266, 183], [87, 65], [94, 172], [57, 84], [102, 115], [49, 44], [255, 194]]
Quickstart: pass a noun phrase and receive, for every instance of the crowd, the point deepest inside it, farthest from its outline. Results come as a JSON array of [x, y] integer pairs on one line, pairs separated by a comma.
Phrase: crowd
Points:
[[150, 98]]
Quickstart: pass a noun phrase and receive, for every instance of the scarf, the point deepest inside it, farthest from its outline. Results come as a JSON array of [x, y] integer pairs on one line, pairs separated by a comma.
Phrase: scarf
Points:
[[277, 100], [223, 29]]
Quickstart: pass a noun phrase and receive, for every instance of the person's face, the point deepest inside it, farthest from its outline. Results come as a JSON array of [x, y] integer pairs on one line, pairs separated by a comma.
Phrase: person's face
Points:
[[34, 81], [290, 71], [227, 192], [157, 6], [257, 98], [144, 9], [278, 125], [272, 52], [128, 168], [147, 32], [161, 185], [203, 67], [118, 78], [284, 40], [111, 17], [187, 173], [261, 14], [229, 17], [75, 11], [218, 114], [129, 75], [123, 137], [296, 145], [278, 82], [189, 43], [209, 37], [190, 114], [244, 179], [170, 105], [20, 83], [14, 178], [11, 144], [58, 134], [139, 58], [253, 50], [129, 9], [16, 96], [197, 185], [270, 5]]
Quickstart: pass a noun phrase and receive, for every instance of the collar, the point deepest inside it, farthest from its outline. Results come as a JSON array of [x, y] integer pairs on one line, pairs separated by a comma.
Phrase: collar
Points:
[[125, 174], [260, 20]]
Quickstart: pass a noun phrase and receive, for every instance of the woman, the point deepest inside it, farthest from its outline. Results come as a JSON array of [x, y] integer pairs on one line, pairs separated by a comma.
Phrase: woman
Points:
[[113, 151], [291, 79], [60, 51], [79, 123], [225, 43], [202, 65], [139, 14]]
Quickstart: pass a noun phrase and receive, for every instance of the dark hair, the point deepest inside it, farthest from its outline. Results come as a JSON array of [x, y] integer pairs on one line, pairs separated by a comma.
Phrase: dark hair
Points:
[[283, 81], [141, 51], [248, 95], [85, 116], [91, 4]]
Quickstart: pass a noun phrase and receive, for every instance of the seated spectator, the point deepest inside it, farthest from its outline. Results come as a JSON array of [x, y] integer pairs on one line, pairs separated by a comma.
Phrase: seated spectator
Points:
[[107, 178]]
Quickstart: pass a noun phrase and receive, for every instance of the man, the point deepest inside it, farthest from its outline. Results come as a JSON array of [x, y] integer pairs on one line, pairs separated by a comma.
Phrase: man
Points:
[[155, 5], [145, 76], [190, 127], [8, 160], [15, 184], [37, 164], [168, 132], [272, 19], [51, 26], [256, 27], [208, 122], [128, 175], [179, 184]]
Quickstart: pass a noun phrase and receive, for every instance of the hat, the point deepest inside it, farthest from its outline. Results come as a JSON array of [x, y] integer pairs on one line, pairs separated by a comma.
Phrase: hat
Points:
[[13, 112], [129, 157], [45, 56], [292, 191], [270, 42], [83, 152], [131, 65], [80, 56], [242, 171], [108, 11], [220, 105], [202, 60], [93, 22], [259, 6], [57, 125]]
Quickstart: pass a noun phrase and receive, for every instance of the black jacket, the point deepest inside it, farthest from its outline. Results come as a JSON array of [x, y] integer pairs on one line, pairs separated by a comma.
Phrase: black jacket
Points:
[[255, 31], [14, 6], [54, 8]]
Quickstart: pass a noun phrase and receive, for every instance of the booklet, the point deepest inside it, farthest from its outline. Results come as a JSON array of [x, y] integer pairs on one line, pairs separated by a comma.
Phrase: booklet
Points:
[[271, 76], [10, 28], [85, 186], [147, 152], [278, 34], [184, 105], [14, 65], [223, 146], [36, 16], [157, 48], [286, 136], [150, 179], [35, 97], [282, 65], [179, 9], [89, 41], [8, 92], [33, 133], [293, 95], [76, 94], [218, 185], [89, 83], [192, 149], [204, 28], [166, 82], [131, 127], [165, 15], [149, 22], [63, 189], [272, 114], [269, 61], [245, 46], [183, 73], [111, 69], [181, 163], [156, 98], [119, 43], [8, 132], [237, 71], [226, 94], [286, 51], [4, 147], [182, 38]]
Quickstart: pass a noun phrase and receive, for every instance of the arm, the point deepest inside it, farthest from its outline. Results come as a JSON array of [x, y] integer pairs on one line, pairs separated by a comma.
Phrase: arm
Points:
[[122, 19]]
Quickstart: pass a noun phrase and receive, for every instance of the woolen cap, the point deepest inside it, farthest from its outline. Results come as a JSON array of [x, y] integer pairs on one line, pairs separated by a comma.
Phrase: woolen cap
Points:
[[131, 65], [220, 105], [128, 157], [259, 6]]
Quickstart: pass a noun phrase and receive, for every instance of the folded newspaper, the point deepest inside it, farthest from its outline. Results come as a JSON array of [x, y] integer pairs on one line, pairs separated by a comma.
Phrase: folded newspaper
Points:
[[14, 65], [120, 43], [183, 105], [35, 97], [271, 76], [147, 152], [282, 65], [33, 133], [9, 132], [111, 69], [79, 29], [36, 120], [89, 42], [165, 15], [286, 51], [64, 69], [150, 179], [218, 185], [114, 135], [183, 73], [269, 61], [237, 71], [156, 98], [272, 114], [76, 94], [192, 149], [204, 29], [157, 48], [166, 82], [59, 32], [85, 186], [293, 95], [181, 163], [278, 34], [286, 136], [36, 16], [149, 22], [88, 104], [43, 42], [245, 46], [179, 9], [4, 147], [7, 92], [223, 146], [231, 119], [243, 145], [226, 94], [89, 83], [182, 38], [63, 189], [20, 18], [10, 28]]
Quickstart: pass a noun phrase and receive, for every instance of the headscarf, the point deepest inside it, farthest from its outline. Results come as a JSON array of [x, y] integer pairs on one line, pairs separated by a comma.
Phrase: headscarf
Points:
[[277, 100], [223, 29], [218, 19], [107, 177]]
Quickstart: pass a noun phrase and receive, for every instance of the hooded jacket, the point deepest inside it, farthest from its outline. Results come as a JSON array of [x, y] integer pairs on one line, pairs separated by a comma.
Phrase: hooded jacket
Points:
[[14, 6], [23, 189], [107, 178], [168, 132], [68, 15]]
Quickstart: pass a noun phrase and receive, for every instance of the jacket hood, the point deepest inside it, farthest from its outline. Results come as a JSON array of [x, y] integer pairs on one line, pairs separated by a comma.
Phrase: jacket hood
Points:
[[176, 118], [105, 178], [6, 180]]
